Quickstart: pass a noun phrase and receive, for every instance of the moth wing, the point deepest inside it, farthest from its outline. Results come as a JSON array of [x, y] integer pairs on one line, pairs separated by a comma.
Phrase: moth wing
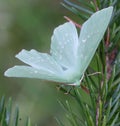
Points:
[[30, 72], [64, 44], [42, 66], [92, 32]]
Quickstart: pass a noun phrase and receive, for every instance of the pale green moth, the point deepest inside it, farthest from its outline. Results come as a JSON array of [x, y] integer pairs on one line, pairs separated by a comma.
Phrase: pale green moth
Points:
[[70, 54]]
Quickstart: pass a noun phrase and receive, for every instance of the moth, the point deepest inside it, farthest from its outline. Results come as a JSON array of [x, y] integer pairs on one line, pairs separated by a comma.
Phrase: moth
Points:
[[70, 53]]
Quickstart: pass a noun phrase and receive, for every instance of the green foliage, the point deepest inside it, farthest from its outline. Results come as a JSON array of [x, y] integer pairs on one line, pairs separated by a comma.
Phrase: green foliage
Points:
[[103, 89], [6, 114]]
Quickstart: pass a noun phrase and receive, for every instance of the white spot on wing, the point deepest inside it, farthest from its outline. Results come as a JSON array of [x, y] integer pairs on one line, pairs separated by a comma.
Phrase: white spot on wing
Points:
[[88, 36], [62, 46], [36, 72], [83, 40]]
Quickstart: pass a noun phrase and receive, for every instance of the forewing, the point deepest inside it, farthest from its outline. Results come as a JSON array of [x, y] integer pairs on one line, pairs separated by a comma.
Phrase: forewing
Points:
[[64, 44], [30, 72], [90, 36], [42, 66], [39, 60]]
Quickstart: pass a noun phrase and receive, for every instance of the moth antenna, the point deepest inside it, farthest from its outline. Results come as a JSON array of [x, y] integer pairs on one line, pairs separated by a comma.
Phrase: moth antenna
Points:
[[76, 24]]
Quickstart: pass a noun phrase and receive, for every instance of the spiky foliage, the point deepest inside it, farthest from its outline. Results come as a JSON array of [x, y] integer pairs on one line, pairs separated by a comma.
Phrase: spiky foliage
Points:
[[98, 98], [6, 114]]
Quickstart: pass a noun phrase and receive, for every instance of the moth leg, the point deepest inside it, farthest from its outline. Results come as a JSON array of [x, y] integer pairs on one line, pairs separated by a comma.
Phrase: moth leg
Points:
[[82, 78], [84, 88], [65, 88], [68, 91]]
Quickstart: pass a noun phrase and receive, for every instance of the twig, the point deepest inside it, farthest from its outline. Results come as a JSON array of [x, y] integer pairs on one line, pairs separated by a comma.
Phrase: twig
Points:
[[94, 74], [107, 42], [98, 104], [108, 37], [97, 110], [85, 89], [76, 24], [95, 3]]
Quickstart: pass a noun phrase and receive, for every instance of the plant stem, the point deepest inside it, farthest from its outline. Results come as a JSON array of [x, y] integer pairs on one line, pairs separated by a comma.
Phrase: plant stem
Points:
[[95, 3], [76, 24], [97, 110], [108, 37]]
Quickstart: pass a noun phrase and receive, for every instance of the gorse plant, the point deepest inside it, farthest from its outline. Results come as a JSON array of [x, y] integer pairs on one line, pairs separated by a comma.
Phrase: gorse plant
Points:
[[95, 89]]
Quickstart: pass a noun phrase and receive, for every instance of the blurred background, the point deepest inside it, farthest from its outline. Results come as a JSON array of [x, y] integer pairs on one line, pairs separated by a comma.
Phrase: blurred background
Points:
[[28, 24]]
